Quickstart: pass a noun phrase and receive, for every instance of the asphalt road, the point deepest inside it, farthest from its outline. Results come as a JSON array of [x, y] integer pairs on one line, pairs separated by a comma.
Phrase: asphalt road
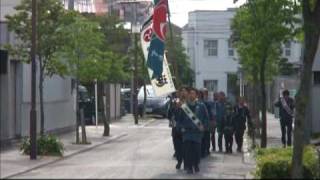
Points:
[[146, 152]]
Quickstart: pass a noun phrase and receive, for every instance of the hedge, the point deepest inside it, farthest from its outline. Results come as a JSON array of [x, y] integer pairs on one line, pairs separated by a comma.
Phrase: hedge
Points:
[[276, 163]]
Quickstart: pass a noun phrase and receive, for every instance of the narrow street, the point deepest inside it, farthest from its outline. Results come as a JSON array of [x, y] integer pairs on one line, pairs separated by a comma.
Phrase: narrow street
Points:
[[145, 152]]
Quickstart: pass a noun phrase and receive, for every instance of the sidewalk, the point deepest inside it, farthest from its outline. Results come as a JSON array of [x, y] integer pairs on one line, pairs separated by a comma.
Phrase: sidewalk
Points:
[[12, 162], [273, 140]]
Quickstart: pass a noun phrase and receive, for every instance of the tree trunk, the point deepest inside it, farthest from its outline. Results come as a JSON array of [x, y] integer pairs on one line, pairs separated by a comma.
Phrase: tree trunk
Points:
[[83, 127], [41, 80], [104, 89], [263, 103], [115, 101], [81, 122], [77, 113], [311, 34], [255, 114], [135, 84], [256, 109], [144, 97]]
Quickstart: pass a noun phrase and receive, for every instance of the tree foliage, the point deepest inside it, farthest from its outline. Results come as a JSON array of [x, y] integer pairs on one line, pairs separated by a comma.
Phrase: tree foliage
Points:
[[50, 15], [81, 53], [115, 44], [259, 29], [176, 52]]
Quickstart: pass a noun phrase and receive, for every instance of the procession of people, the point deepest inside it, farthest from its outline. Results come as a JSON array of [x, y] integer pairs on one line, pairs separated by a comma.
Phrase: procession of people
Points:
[[195, 119]]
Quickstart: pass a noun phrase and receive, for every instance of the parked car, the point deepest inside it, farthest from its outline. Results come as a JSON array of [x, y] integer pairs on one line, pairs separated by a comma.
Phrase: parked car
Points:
[[87, 104], [125, 100], [158, 105]]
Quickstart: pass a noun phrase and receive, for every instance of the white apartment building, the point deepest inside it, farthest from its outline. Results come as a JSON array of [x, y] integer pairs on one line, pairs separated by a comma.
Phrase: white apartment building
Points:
[[206, 38]]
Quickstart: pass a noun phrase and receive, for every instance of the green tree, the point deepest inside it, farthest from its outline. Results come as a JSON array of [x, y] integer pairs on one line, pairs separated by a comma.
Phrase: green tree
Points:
[[176, 52], [49, 16], [311, 29], [82, 56], [115, 40], [285, 67], [260, 27]]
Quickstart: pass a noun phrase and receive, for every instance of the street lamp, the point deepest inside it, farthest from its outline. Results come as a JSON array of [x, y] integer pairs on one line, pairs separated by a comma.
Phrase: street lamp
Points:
[[135, 29]]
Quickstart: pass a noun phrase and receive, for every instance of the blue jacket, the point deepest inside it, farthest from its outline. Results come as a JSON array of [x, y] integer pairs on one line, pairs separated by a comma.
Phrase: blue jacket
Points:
[[224, 110], [192, 133]]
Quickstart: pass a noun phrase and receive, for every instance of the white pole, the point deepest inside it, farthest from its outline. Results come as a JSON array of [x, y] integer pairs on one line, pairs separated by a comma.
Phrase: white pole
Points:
[[96, 100]]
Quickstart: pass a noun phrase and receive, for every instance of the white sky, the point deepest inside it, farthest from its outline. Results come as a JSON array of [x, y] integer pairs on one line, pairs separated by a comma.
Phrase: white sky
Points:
[[180, 8]]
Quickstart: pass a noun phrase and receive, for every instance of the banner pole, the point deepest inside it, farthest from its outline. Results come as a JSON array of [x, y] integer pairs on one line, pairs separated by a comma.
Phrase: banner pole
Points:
[[175, 67]]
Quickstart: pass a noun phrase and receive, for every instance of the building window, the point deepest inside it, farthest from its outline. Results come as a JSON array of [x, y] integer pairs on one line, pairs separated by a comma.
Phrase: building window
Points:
[[211, 47], [211, 85], [316, 78], [230, 48], [287, 48]]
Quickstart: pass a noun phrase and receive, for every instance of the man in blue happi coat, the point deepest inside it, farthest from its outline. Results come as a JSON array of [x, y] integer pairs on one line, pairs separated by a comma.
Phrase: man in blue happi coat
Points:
[[192, 134]]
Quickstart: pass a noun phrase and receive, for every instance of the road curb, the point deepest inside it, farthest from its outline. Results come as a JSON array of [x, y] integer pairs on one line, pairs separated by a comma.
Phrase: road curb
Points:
[[67, 156]]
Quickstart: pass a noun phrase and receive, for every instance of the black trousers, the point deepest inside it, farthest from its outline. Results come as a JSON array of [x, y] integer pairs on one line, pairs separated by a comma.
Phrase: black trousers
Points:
[[228, 137], [173, 134], [192, 154], [220, 136], [213, 139], [239, 137], [286, 130], [205, 145], [179, 147]]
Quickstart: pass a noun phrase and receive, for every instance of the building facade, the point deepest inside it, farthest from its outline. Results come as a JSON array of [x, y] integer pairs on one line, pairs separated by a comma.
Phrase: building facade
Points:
[[214, 60], [125, 9], [315, 94], [207, 41]]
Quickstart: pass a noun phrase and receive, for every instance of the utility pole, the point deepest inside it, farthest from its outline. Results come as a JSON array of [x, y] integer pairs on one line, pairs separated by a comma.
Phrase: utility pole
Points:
[[135, 76], [135, 72], [134, 33], [33, 111]]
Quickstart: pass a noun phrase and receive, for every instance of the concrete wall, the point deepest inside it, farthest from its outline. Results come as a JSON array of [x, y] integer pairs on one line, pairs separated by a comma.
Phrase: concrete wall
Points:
[[315, 92], [58, 102], [115, 101], [315, 101], [15, 102], [15, 92]]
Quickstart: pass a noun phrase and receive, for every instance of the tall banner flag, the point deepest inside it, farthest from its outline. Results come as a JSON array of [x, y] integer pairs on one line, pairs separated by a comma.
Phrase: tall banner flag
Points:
[[156, 49], [153, 50]]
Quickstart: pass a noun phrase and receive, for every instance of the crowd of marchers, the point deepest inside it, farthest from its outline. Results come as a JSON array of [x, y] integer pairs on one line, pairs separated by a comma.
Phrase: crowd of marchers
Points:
[[195, 119], [193, 132]]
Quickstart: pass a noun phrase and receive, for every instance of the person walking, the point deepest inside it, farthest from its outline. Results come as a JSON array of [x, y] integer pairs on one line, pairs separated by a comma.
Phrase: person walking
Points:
[[193, 131], [229, 127], [179, 117], [172, 119], [224, 111], [205, 144], [286, 108], [241, 117], [213, 120]]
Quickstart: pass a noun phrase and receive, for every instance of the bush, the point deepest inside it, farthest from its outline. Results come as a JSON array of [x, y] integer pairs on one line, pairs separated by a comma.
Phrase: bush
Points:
[[276, 163], [46, 145], [315, 135]]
